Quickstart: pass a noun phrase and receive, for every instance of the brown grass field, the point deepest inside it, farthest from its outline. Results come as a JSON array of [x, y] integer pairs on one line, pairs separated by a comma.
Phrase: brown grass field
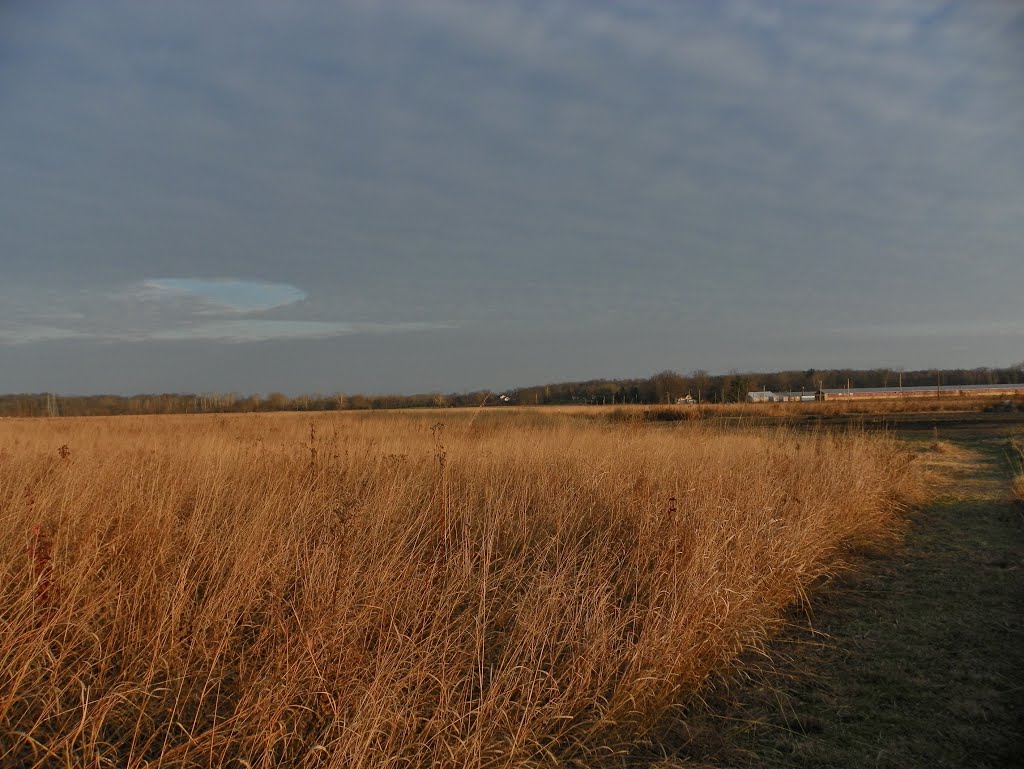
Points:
[[450, 589], [793, 411]]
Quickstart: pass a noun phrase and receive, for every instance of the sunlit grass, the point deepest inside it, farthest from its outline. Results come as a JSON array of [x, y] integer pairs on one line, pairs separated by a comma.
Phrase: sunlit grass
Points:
[[385, 590]]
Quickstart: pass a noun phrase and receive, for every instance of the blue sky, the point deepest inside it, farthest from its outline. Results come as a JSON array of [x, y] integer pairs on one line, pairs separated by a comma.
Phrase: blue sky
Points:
[[409, 196]]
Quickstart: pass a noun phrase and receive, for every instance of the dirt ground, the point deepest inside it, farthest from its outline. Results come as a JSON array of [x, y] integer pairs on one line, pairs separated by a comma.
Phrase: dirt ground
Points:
[[917, 658]]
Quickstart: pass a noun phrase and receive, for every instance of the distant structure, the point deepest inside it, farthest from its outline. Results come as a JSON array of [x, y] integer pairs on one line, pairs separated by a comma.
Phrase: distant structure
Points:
[[685, 401], [767, 396], [882, 393]]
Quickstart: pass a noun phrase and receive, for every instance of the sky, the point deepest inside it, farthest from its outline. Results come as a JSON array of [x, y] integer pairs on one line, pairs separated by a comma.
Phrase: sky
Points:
[[320, 196]]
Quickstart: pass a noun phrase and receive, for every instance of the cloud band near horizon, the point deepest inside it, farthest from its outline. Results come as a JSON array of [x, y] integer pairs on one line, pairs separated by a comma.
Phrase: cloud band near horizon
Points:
[[232, 310]]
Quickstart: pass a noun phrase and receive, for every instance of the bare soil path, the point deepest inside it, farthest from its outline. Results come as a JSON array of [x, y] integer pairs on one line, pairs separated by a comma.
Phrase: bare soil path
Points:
[[915, 661]]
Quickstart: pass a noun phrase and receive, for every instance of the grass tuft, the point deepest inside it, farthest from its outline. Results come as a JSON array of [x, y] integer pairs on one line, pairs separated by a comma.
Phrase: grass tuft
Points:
[[1016, 451]]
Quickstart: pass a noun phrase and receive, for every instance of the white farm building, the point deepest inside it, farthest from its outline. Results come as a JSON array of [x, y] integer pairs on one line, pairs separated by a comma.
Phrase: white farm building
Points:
[[877, 393]]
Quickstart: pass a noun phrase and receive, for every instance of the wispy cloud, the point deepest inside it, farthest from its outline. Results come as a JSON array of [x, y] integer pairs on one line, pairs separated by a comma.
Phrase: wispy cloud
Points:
[[183, 309], [28, 333], [221, 295], [266, 330], [919, 329]]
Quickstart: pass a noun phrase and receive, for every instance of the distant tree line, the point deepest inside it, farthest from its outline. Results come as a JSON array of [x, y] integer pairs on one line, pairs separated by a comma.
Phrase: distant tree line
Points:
[[663, 387], [669, 386], [44, 404]]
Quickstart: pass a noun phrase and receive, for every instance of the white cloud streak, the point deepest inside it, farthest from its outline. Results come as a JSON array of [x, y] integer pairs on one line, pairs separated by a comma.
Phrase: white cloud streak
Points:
[[266, 330], [221, 295], [225, 310]]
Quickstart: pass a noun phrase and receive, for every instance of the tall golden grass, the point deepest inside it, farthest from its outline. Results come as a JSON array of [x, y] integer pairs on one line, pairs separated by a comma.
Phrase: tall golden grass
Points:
[[387, 590]]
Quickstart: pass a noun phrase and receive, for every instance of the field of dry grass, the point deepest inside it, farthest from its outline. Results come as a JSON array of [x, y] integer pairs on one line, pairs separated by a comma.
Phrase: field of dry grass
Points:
[[402, 589], [833, 408]]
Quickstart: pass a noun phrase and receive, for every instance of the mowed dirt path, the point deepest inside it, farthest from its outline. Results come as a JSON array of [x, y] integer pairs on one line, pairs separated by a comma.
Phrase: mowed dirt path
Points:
[[917, 660]]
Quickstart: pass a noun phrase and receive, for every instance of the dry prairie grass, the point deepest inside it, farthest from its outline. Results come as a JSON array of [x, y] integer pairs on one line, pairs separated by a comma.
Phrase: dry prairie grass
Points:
[[382, 590], [833, 408]]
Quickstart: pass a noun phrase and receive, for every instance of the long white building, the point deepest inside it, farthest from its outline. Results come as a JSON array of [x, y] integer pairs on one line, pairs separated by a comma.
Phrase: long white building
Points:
[[878, 393]]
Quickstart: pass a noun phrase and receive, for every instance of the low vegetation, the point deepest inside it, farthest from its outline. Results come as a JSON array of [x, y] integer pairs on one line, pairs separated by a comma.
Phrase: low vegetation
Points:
[[1017, 461], [394, 590], [794, 411], [915, 660]]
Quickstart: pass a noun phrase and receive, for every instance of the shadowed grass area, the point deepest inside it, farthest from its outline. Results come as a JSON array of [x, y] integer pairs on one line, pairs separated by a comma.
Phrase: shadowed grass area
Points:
[[915, 661], [1016, 453]]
